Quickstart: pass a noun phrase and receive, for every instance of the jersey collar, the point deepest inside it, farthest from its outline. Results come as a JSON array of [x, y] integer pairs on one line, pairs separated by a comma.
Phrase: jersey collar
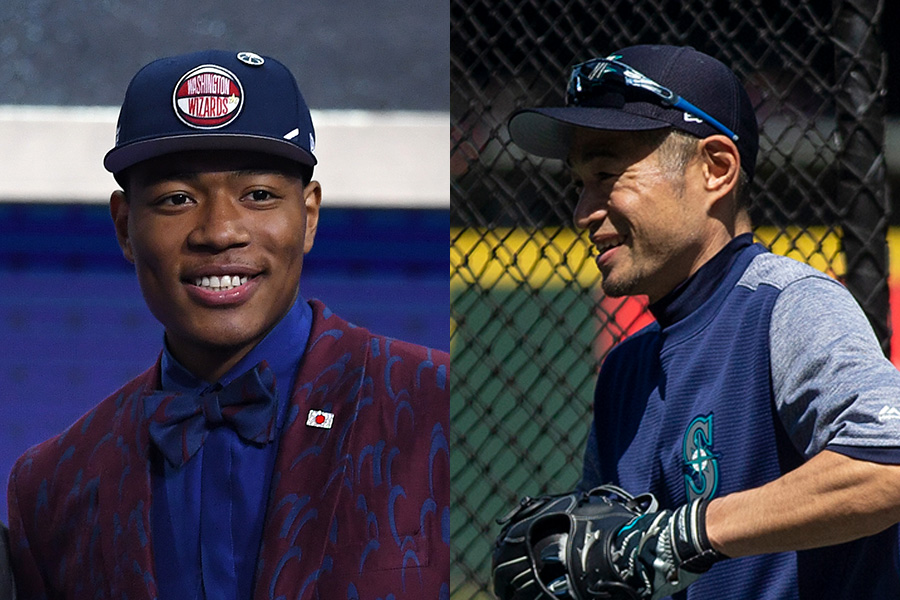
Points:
[[689, 295]]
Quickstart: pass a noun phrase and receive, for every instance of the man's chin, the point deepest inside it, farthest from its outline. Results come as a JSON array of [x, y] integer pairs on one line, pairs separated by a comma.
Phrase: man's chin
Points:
[[613, 288], [219, 340], [228, 342]]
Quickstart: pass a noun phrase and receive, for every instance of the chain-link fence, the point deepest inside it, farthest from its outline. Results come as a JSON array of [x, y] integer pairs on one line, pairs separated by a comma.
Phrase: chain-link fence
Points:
[[530, 325]]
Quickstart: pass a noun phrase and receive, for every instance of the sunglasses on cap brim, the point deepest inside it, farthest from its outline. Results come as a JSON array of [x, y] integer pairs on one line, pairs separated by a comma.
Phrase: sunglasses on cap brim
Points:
[[595, 77]]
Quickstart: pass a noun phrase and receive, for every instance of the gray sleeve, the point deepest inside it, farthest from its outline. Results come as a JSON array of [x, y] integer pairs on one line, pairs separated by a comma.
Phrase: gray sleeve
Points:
[[832, 384]]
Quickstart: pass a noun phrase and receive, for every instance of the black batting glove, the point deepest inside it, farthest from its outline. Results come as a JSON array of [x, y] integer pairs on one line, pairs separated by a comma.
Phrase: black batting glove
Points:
[[661, 553]]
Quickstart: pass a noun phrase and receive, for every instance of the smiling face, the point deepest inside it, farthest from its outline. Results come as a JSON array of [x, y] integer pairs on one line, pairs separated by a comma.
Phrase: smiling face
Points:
[[217, 240], [647, 220]]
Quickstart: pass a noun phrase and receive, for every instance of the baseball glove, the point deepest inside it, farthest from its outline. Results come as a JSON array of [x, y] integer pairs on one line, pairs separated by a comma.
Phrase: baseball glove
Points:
[[562, 546]]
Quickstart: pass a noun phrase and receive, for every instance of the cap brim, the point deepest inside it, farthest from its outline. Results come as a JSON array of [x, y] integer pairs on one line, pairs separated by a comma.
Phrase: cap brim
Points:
[[548, 132], [121, 158]]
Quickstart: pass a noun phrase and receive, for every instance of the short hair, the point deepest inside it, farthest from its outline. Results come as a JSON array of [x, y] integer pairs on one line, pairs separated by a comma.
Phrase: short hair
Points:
[[677, 149]]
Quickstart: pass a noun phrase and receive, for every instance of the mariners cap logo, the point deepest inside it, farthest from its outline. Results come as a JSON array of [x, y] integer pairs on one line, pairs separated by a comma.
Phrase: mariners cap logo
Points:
[[208, 97]]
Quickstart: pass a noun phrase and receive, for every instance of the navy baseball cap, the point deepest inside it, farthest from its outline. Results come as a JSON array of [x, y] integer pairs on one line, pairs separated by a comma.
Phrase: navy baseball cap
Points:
[[212, 100], [642, 88]]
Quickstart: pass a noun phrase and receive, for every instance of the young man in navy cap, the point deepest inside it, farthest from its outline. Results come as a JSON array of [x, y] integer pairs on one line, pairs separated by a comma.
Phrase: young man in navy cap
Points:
[[274, 450], [759, 408]]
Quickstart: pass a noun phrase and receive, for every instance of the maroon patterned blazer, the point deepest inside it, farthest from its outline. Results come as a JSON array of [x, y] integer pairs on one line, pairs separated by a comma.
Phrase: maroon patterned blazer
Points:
[[358, 511]]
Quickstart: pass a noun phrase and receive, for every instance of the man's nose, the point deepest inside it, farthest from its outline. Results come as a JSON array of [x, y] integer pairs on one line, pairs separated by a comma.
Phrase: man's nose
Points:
[[221, 224], [591, 208]]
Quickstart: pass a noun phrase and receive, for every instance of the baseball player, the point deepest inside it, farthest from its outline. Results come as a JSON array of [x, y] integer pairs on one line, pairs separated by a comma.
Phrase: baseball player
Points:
[[274, 450], [758, 410]]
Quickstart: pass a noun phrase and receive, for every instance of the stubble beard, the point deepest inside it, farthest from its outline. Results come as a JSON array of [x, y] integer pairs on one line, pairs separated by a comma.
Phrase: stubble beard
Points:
[[617, 288]]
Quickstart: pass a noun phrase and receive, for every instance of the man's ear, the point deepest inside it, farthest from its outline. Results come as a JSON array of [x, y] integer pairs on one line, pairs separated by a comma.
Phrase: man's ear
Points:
[[721, 165], [312, 198], [118, 208]]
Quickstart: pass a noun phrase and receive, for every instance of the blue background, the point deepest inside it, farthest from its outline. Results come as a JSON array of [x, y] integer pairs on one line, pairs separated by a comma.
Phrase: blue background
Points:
[[74, 326]]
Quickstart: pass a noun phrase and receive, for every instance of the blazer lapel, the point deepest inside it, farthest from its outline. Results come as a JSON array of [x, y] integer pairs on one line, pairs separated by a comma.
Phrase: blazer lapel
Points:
[[124, 496], [312, 462]]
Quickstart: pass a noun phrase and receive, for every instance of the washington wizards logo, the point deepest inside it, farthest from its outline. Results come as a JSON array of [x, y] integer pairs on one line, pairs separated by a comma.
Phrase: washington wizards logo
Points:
[[208, 97], [700, 462]]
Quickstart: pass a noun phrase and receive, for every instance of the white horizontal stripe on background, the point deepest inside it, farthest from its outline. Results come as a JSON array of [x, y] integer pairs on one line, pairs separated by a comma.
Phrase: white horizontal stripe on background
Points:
[[366, 158]]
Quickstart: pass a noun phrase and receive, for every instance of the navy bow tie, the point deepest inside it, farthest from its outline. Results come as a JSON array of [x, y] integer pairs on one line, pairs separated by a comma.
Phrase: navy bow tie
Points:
[[179, 422]]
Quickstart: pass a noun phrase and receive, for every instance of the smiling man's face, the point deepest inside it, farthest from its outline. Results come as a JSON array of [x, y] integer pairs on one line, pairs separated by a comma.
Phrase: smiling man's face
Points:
[[218, 241], [647, 221]]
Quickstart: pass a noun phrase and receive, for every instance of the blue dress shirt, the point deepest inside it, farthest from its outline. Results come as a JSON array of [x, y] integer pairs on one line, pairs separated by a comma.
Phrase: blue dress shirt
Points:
[[207, 516]]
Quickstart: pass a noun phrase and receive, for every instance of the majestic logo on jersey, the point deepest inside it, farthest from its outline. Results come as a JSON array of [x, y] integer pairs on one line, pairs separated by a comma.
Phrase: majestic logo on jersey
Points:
[[888, 413], [208, 97], [700, 462]]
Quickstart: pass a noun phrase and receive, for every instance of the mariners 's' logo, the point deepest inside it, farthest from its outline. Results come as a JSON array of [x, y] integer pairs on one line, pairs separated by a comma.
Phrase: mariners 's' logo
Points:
[[701, 462]]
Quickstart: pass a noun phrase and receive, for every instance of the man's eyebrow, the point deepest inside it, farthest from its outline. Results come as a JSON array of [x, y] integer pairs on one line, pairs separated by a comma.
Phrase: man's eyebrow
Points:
[[176, 175], [162, 176], [260, 171]]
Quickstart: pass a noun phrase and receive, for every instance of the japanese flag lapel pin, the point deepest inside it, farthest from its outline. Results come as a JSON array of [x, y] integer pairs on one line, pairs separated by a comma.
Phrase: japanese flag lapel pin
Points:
[[320, 418]]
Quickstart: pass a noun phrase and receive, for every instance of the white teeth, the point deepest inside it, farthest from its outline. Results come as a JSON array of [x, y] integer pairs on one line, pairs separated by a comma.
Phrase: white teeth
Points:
[[226, 282], [601, 248]]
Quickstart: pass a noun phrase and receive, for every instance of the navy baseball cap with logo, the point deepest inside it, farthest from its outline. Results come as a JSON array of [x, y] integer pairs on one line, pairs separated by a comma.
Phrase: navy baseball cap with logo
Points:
[[642, 88], [212, 100]]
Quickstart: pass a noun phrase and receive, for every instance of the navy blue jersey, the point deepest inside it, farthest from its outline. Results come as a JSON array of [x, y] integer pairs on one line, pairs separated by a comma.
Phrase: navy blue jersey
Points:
[[686, 409]]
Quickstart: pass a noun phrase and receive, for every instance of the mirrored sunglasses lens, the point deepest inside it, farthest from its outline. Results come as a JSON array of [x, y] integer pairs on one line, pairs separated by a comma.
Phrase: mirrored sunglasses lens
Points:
[[588, 78]]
